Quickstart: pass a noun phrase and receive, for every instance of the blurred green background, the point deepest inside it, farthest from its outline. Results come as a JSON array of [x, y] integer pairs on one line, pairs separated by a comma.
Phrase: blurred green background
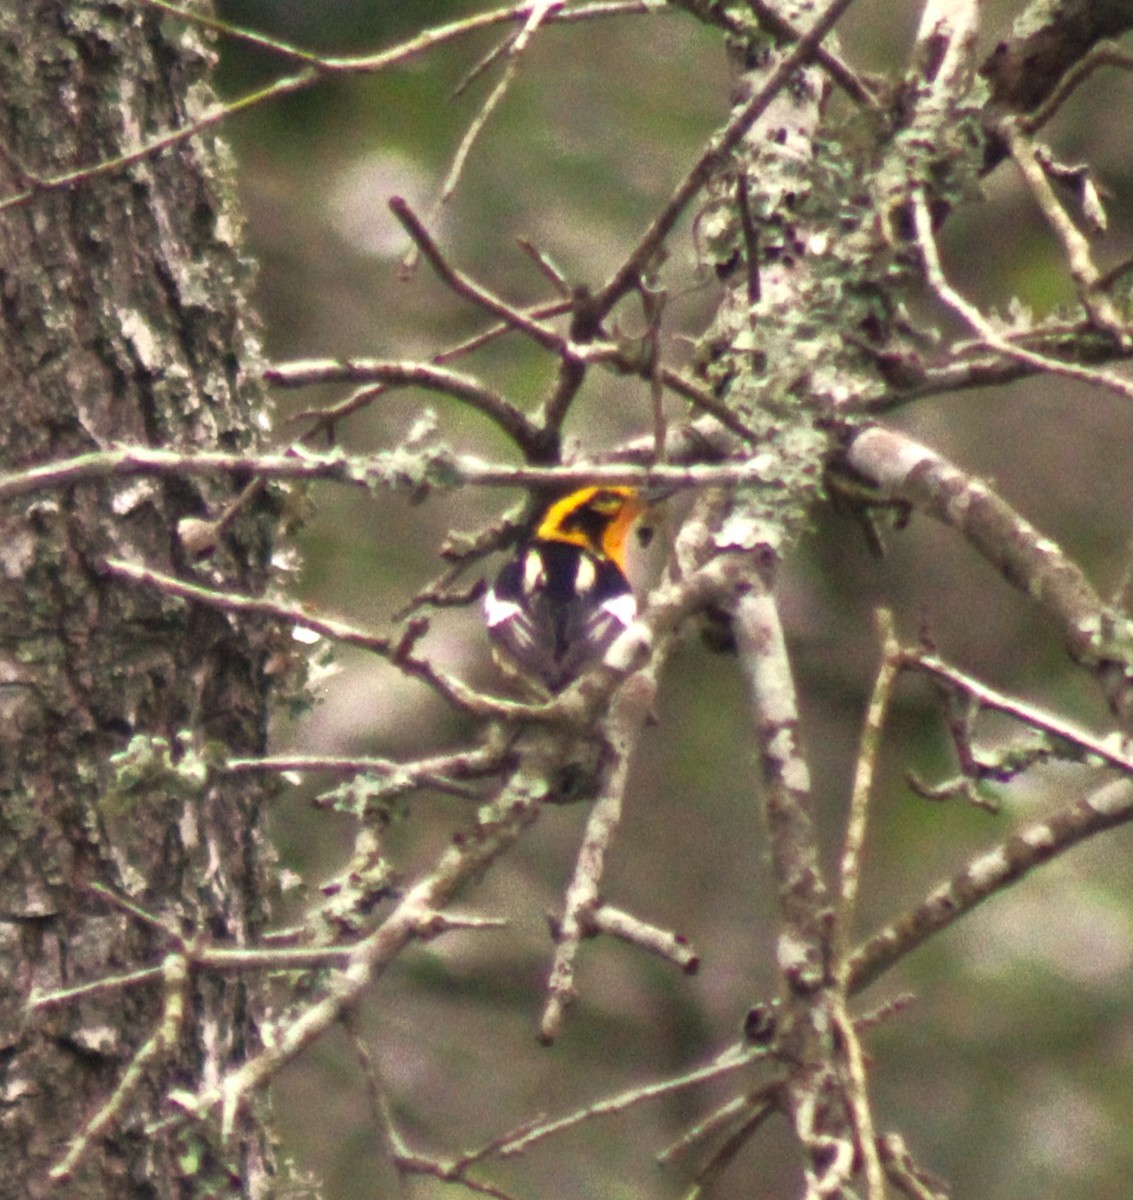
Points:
[[1012, 1073]]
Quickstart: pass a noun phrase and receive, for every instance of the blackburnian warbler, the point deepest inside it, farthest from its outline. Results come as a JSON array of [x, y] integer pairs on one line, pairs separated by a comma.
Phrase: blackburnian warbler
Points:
[[557, 606]]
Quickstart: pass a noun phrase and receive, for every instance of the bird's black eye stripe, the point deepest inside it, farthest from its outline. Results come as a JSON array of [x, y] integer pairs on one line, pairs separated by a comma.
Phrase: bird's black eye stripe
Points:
[[587, 520]]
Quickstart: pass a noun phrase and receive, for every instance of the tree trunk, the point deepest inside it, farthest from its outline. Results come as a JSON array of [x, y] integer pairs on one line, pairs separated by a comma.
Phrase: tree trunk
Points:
[[123, 318]]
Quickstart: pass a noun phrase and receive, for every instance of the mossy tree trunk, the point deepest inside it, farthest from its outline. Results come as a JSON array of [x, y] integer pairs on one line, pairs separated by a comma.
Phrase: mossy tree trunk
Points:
[[123, 318]]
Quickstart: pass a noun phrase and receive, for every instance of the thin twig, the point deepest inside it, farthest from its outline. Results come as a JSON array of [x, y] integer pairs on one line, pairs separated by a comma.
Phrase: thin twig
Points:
[[483, 64], [1101, 308], [124, 904], [427, 40], [319, 68], [426, 772], [1107, 750], [989, 873], [833, 64], [453, 690], [707, 166], [673, 947], [387, 468], [108, 166], [405, 1160], [864, 769], [175, 974], [972, 316], [623, 728], [463, 286], [96, 987], [1101, 54], [239, 33], [537, 312], [467, 389], [735, 1058], [539, 12], [497, 828], [721, 1118], [547, 267], [753, 1112], [906, 470]]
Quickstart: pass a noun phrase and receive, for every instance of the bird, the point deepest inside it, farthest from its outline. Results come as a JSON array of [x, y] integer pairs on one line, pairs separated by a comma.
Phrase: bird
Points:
[[562, 599]]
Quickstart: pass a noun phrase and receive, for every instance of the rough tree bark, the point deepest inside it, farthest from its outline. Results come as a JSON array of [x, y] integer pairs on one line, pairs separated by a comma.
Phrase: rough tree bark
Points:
[[123, 318]]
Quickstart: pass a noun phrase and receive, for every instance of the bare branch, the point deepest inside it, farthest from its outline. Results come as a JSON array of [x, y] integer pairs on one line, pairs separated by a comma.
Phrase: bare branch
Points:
[[537, 312], [319, 67], [1028, 67], [970, 365], [971, 315], [539, 11], [1102, 54], [673, 947], [392, 468], [864, 768], [468, 289], [437, 772], [496, 828], [426, 40], [906, 470], [221, 112], [833, 64], [732, 1114], [626, 277], [1107, 750], [803, 952], [404, 374], [626, 718], [904, 1173], [741, 1118], [407, 1161], [175, 976], [825, 1080], [735, 1058], [1100, 306], [453, 690], [946, 37], [97, 987], [991, 872]]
